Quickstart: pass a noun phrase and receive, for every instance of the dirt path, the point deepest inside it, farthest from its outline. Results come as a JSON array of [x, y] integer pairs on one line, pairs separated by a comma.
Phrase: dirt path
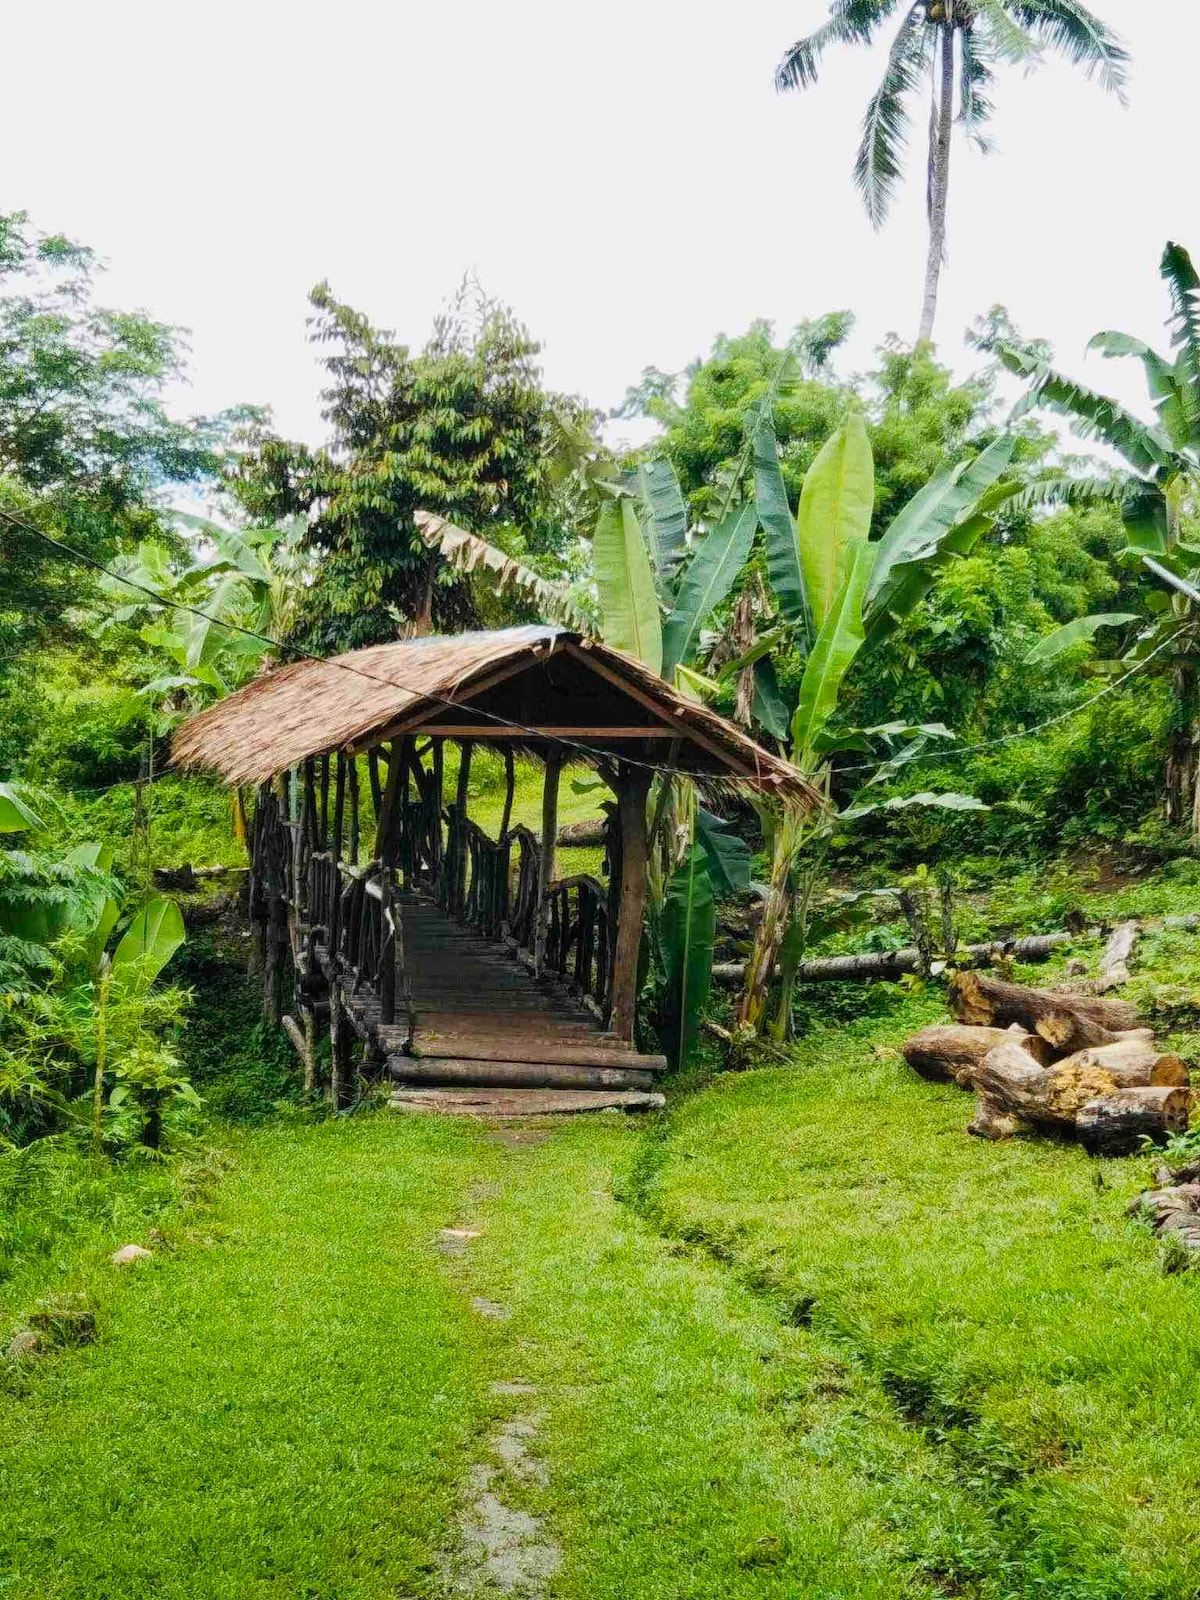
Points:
[[417, 1360]]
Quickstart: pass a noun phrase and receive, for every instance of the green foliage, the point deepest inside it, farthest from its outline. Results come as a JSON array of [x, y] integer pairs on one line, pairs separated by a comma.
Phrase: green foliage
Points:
[[149, 942], [689, 917], [86, 441], [705, 584], [464, 429], [625, 582]]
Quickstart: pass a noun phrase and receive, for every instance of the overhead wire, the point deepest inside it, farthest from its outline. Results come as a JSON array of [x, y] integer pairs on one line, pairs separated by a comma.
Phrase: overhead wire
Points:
[[517, 728], [540, 735]]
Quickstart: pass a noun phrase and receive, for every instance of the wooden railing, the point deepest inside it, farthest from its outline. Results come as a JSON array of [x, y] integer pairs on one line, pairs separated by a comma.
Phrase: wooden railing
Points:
[[348, 916], [579, 937]]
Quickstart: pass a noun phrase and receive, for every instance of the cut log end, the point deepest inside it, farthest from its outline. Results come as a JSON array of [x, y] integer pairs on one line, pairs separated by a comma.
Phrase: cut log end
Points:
[[954, 1052], [1115, 1124]]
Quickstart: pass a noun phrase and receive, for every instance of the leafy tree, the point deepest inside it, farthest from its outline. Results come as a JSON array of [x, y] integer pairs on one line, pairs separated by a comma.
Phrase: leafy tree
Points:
[[1157, 498], [87, 447], [464, 429], [956, 47]]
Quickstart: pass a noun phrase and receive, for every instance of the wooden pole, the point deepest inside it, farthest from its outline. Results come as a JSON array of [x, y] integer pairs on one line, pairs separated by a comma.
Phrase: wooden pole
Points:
[[323, 814], [633, 786], [546, 863], [339, 806], [376, 786], [386, 839], [510, 786], [461, 794], [352, 778], [438, 780]]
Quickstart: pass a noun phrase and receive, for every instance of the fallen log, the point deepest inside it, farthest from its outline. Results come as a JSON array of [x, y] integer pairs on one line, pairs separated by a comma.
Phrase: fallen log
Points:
[[990, 1122], [1069, 1022], [889, 965], [1011, 1082], [1133, 1063], [1114, 963], [1115, 1124], [954, 1051]]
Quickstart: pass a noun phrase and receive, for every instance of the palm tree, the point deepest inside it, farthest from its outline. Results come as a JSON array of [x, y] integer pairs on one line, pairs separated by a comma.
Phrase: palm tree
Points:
[[1159, 497], [989, 33]]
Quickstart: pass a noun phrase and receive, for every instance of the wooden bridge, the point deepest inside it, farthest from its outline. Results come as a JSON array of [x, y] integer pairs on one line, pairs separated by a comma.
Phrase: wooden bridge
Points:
[[462, 964]]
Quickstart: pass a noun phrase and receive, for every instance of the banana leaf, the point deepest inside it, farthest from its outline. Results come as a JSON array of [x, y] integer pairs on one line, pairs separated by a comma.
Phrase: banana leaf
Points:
[[785, 571], [770, 708], [837, 644], [921, 528], [628, 603], [706, 581], [664, 520], [689, 927], [15, 815], [727, 854], [150, 941], [1053, 645], [835, 510]]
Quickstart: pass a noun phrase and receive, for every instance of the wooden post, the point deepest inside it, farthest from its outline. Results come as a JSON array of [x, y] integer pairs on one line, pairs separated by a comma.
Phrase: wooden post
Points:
[[323, 814], [386, 831], [546, 863], [405, 758], [352, 779], [438, 781], [376, 786], [510, 785], [339, 806], [633, 786], [459, 887]]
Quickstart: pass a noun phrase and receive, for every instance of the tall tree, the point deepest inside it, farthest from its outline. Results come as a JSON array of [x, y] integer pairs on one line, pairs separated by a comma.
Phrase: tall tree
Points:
[[87, 447], [464, 429], [954, 46]]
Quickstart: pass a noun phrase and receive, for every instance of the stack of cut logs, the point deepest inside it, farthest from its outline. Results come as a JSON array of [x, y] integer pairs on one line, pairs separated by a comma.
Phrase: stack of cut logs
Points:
[[1039, 1059], [1172, 1207]]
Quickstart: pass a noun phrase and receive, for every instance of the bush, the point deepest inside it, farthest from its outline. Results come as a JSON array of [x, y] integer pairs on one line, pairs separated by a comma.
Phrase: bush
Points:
[[90, 737]]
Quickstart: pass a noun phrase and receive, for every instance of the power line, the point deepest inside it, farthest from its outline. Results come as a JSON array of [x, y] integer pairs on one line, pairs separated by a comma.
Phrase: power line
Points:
[[1028, 733], [84, 559], [520, 728]]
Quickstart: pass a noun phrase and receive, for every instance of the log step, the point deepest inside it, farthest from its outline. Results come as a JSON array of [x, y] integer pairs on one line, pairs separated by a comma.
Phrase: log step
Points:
[[430, 1045], [447, 1071], [507, 1104]]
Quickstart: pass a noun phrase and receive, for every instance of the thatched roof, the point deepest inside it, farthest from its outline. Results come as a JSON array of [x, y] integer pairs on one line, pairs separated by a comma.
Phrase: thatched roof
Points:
[[536, 686]]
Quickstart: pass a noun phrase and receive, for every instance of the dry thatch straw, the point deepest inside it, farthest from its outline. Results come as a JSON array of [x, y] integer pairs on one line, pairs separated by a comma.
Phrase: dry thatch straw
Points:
[[523, 676]]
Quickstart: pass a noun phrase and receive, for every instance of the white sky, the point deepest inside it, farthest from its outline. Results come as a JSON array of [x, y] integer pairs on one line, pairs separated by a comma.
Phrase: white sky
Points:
[[624, 175]]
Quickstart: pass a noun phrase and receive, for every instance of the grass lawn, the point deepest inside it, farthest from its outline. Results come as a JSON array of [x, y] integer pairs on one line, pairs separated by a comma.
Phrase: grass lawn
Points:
[[282, 1412], [996, 1294]]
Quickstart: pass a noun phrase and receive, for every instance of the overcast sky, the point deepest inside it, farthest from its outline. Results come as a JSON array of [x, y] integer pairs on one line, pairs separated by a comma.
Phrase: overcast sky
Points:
[[624, 175]]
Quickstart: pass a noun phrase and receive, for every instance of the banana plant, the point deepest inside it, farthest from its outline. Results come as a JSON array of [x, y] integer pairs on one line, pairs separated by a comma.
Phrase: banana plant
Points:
[[1156, 495], [838, 592]]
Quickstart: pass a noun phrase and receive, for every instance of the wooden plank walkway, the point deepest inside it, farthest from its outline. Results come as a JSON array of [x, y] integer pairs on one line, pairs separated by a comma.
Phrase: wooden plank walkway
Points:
[[477, 1020]]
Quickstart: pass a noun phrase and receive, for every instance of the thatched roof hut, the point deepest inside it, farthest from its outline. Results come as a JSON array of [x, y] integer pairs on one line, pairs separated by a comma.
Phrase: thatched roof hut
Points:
[[538, 688]]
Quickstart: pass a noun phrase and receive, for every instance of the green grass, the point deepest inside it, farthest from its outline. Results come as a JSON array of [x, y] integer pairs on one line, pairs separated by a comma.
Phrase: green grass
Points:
[[997, 1293], [281, 1413]]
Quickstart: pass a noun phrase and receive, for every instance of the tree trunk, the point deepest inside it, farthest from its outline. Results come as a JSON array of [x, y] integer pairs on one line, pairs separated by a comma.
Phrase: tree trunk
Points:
[[1115, 1124], [955, 1052], [1134, 1063], [940, 132], [1182, 790], [777, 912], [633, 786], [548, 843], [1114, 964], [1069, 1022]]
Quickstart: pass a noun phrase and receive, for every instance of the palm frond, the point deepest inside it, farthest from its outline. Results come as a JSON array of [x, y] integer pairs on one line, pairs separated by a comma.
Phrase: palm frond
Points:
[[1007, 38], [1181, 280], [1166, 381], [878, 168], [1077, 33], [1061, 491], [1095, 416], [976, 77], [850, 22], [467, 552]]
